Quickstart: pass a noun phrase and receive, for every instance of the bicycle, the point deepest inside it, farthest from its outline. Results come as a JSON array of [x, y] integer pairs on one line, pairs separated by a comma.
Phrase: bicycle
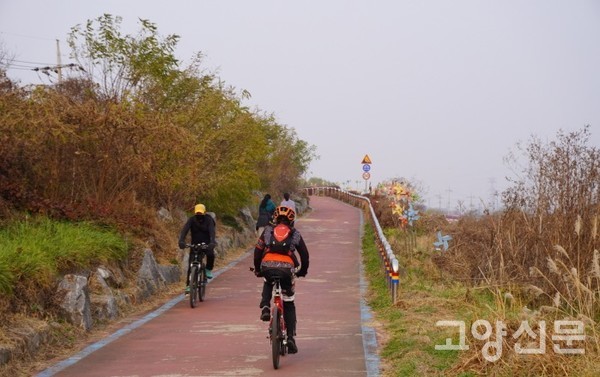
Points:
[[198, 278], [277, 330]]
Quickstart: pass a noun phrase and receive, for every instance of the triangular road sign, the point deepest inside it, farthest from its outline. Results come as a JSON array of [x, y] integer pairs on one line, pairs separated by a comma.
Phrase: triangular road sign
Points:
[[366, 160]]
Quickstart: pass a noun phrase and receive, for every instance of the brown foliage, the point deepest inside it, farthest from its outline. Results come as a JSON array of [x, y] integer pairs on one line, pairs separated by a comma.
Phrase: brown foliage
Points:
[[548, 233], [70, 155]]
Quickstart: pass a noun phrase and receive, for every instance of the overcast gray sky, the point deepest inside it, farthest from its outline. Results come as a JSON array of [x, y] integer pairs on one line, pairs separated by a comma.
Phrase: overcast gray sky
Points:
[[435, 91]]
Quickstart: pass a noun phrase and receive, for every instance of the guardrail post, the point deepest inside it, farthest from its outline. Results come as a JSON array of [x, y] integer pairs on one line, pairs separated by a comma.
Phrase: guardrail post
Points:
[[395, 279], [388, 272]]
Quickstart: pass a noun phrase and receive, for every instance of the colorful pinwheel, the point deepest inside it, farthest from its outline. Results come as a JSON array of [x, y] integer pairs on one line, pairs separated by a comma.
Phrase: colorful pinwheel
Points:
[[397, 209], [401, 198]]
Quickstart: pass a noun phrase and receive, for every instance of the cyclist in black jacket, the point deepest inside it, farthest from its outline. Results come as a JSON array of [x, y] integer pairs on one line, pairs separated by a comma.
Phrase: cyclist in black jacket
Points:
[[275, 256], [202, 227]]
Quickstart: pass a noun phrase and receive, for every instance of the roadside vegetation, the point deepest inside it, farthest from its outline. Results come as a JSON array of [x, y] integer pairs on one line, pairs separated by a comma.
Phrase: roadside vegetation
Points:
[[535, 262], [35, 251], [87, 162], [137, 129]]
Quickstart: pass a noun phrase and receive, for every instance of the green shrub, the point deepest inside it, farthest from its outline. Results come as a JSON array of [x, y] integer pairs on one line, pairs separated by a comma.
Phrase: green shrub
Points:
[[41, 249]]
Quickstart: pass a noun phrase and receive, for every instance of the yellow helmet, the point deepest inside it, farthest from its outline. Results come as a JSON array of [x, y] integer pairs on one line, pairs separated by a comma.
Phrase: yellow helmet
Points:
[[286, 212], [200, 208]]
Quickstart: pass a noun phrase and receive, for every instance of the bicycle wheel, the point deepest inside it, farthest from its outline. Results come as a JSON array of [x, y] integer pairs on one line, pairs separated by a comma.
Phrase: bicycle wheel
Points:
[[202, 283], [275, 338], [282, 346], [193, 286]]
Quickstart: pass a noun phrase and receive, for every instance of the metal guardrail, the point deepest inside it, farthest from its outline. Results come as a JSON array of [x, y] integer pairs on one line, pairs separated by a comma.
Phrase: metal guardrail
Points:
[[389, 261]]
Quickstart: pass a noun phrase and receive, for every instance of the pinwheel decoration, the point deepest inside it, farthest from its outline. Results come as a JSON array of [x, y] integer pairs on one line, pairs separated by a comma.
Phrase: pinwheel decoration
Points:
[[399, 190], [401, 198], [403, 222], [442, 241], [411, 214], [397, 209]]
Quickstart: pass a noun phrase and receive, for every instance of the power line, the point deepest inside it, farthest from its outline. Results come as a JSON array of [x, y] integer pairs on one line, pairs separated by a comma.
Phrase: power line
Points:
[[19, 69], [27, 62], [27, 36], [46, 69], [56, 68], [16, 65]]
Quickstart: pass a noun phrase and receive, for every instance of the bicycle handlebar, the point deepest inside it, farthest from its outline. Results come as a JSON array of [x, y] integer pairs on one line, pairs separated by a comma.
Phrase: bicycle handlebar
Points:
[[202, 246]]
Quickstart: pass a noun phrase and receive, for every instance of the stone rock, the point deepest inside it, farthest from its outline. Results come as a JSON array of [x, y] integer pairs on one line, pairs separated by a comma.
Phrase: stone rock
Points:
[[104, 307], [102, 280], [74, 300], [104, 304], [213, 215], [224, 243], [180, 216], [246, 216], [113, 276], [149, 278], [5, 354], [164, 215], [24, 339], [170, 273], [123, 299]]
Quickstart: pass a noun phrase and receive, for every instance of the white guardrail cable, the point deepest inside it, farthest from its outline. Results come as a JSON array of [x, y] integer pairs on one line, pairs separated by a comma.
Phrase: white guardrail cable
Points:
[[388, 258]]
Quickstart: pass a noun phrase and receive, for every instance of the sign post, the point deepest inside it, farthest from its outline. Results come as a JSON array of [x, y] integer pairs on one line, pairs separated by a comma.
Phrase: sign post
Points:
[[366, 162]]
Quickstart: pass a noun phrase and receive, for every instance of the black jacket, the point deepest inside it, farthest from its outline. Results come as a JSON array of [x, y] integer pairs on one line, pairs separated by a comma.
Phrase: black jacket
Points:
[[203, 230]]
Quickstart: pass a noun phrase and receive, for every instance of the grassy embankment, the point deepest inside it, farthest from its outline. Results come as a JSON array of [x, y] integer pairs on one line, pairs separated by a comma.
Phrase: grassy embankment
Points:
[[409, 332], [34, 252]]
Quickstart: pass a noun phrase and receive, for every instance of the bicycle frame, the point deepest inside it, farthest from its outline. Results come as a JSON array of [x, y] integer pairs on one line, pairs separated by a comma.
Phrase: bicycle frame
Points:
[[198, 258], [277, 328], [278, 302], [198, 279]]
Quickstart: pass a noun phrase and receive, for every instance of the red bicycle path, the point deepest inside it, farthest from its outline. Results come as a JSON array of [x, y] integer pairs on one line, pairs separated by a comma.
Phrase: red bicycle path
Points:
[[224, 336]]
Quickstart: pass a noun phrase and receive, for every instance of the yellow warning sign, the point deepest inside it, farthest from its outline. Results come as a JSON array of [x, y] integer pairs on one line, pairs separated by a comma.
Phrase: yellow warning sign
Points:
[[366, 160]]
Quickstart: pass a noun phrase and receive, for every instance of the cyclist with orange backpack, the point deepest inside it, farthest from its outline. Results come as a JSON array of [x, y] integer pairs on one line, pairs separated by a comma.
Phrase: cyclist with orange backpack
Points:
[[275, 256]]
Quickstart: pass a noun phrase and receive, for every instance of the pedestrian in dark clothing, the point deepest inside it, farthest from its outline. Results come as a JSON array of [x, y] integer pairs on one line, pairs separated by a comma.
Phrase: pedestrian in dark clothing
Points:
[[265, 213]]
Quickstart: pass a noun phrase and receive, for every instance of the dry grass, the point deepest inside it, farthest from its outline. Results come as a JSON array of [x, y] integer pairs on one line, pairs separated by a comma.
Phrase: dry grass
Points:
[[538, 260]]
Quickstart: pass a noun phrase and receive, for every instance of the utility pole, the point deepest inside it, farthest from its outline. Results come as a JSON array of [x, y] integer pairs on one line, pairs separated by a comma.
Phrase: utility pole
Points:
[[58, 62], [449, 191], [471, 197]]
